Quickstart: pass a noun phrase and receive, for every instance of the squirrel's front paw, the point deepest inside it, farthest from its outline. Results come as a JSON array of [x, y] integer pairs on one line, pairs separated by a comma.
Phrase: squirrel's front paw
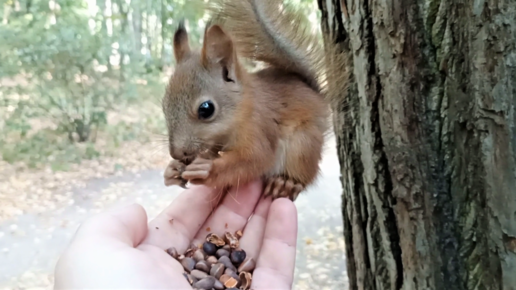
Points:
[[198, 171], [173, 173]]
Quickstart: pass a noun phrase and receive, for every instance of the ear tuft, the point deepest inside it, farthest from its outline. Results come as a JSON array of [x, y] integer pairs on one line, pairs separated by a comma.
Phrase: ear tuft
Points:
[[217, 46], [181, 46]]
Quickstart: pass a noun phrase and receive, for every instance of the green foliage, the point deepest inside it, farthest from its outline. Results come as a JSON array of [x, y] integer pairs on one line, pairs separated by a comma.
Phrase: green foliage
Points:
[[37, 151]]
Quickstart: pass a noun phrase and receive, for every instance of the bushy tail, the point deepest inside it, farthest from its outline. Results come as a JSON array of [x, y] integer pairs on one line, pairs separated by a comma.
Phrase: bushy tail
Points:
[[273, 33]]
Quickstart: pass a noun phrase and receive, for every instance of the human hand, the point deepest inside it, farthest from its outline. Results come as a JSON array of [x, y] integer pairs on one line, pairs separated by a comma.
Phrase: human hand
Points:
[[121, 249]]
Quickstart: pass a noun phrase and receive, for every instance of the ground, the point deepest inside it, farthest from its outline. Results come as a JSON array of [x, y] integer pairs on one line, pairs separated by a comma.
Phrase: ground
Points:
[[41, 210]]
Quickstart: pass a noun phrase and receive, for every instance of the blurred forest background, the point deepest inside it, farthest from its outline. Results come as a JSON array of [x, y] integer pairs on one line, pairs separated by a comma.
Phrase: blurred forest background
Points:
[[67, 65], [81, 83]]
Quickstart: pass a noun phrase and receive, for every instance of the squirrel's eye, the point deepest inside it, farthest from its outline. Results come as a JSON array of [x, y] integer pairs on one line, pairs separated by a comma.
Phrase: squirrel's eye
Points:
[[206, 110]]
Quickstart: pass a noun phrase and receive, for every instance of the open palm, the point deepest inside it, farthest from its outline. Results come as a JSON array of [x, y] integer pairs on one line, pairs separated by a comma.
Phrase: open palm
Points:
[[123, 250]]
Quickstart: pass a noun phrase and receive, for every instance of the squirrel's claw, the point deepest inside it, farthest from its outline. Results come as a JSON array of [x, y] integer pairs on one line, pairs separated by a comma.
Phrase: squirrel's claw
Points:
[[172, 174], [279, 186]]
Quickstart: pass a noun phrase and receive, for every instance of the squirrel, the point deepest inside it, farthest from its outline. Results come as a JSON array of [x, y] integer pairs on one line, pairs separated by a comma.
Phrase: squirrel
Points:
[[228, 126]]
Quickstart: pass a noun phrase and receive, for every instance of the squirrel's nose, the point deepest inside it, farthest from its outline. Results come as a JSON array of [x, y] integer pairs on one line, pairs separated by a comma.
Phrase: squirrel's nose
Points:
[[179, 154]]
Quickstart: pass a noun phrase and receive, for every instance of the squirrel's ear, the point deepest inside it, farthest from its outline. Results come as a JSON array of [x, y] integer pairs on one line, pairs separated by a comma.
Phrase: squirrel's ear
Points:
[[181, 46], [218, 49]]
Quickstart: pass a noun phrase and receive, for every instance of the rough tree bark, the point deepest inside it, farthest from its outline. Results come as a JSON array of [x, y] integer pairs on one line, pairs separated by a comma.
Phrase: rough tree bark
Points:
[[426, 142]]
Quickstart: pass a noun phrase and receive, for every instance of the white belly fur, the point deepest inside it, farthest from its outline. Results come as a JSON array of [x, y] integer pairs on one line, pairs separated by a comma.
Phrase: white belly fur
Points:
[[281, 158]]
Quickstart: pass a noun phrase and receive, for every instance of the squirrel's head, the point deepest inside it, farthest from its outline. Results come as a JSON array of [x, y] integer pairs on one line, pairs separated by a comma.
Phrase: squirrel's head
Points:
[[203, 94]]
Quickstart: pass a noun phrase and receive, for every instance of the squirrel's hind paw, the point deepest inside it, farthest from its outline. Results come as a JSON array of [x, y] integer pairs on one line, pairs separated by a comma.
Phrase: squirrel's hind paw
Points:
[[279, 186]]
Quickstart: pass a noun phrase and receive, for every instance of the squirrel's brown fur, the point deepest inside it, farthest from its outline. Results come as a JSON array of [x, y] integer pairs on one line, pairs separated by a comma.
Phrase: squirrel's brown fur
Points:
[[270, 32], [268, 124]]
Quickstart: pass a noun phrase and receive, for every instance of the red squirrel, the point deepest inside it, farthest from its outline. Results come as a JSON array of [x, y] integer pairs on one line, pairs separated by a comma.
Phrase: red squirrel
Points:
[[228, 126]]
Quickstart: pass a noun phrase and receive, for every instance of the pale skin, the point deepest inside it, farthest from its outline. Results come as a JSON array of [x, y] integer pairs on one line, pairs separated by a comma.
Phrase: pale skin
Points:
[[123, 250]]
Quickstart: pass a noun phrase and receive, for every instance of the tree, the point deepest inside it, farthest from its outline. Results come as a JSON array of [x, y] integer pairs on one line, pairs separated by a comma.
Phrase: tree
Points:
[[425, 136]]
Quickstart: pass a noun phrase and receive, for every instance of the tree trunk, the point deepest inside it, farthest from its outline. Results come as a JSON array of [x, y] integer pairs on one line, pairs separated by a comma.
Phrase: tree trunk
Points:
[[427, 142], [148, 30], [28, 5], [7, 12], [163, 34], [104, 31], [123, 10], [137, 27]]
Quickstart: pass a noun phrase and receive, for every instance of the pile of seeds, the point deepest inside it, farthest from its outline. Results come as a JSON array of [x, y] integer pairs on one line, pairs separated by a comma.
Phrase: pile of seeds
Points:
[[219, 263]]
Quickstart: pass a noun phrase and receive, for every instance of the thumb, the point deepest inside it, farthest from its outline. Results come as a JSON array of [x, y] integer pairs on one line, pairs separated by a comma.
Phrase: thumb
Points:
[[127, 225]]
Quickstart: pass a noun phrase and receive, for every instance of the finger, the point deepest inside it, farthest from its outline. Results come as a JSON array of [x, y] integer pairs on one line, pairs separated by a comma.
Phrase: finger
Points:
[[195, 174], [252, 239], [234, 211], [202, 166], [177, 225], [173, 181], [275, 265], [127, 225]]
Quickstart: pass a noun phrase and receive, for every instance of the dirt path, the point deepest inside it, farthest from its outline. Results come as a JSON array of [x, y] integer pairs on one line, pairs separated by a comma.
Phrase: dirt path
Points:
[[31, 243]]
